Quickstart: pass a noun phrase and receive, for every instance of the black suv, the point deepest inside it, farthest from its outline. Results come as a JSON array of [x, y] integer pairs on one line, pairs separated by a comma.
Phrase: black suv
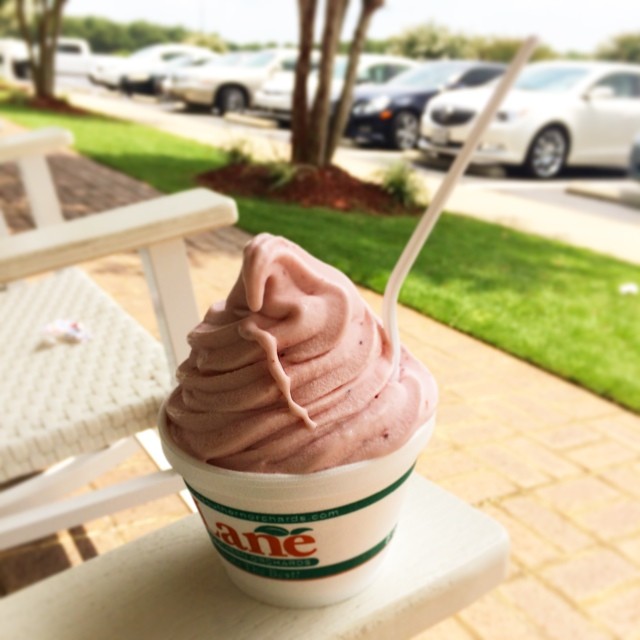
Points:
[[389, 114]]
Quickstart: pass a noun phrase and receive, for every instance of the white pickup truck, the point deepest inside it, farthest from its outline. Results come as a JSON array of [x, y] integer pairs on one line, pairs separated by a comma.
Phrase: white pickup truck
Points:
[[73, 57]]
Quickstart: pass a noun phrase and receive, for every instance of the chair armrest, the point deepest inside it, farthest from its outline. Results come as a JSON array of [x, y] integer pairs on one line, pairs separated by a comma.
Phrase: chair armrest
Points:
[[39, 142], [122, 229]]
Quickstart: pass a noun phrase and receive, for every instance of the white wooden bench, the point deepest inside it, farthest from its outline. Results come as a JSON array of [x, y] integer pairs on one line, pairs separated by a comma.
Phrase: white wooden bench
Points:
[[170, 585]]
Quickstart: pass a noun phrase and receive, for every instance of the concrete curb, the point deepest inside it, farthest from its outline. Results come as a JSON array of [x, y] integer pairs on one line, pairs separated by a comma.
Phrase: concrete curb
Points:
[[252, 121], [625, 194]]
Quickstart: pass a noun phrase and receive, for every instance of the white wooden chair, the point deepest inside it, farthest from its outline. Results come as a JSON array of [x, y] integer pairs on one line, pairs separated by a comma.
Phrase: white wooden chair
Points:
[[76, 410], [170, 584]]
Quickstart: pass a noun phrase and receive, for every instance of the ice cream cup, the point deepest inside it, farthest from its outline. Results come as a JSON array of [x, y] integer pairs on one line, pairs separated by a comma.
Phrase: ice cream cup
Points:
[[301, 540]]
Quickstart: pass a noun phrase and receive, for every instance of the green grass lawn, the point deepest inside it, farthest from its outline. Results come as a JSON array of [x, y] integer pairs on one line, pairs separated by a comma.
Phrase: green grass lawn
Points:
[[164, 161], [548, 303]]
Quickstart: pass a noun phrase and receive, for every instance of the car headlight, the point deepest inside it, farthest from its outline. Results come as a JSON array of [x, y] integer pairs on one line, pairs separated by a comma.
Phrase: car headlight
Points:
[[509, 115], [374, 106]]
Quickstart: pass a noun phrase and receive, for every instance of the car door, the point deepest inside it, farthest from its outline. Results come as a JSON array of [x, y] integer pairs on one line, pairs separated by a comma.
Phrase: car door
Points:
[[609, 119], [70, 58]]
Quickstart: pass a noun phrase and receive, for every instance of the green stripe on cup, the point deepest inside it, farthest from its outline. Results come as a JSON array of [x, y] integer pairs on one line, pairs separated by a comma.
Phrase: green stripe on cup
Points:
[[295, 518], [277, 572]]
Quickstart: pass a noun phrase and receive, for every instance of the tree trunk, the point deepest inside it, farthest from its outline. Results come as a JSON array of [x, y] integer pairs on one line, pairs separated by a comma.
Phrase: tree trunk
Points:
[[318, 122], [341, 115], [41, 79], [300, 107], [47, 20], [54, 27]]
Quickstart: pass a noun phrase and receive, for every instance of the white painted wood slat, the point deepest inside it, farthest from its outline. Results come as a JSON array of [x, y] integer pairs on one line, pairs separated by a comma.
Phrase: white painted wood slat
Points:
[[170, 585]]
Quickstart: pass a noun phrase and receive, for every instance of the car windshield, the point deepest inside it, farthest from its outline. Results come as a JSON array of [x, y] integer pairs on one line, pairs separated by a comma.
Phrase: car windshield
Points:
[[340, 68], [550, 78], [183, 60], [226, 60], [147, 52], [289, 64], [199, 62], [428, 76], [260, 59]]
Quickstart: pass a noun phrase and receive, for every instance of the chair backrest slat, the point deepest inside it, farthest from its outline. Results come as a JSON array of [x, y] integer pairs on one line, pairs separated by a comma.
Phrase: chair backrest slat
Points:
[[28, 150], [41, 192]]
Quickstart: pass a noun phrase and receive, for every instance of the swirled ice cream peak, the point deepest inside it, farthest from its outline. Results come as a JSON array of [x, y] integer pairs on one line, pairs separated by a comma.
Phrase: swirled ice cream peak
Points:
[[292, 373]]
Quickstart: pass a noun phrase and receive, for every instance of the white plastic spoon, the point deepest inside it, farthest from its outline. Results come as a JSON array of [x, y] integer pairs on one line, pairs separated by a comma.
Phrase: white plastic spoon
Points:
[[433, 211]]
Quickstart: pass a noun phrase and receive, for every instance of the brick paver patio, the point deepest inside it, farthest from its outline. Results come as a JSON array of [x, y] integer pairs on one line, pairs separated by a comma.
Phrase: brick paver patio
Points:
[[558, 466]]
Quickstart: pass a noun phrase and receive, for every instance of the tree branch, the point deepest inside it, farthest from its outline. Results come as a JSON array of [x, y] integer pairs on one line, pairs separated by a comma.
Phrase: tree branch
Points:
[[25, 30], [341, 115], [320, 112], [300, 106]]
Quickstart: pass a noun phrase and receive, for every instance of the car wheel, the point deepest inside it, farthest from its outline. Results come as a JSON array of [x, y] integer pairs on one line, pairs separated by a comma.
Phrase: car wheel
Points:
[[22, 69], [405, 130], [547, 153], [231, 99], [156, 88], [195, 107], [125, 88]]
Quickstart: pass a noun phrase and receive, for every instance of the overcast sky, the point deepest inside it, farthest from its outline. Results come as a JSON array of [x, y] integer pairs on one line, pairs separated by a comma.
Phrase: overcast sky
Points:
[[565, 25]]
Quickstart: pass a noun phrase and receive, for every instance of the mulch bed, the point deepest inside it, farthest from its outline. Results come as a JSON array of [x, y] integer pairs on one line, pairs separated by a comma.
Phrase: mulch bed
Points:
[[57, 105], [329, 187]]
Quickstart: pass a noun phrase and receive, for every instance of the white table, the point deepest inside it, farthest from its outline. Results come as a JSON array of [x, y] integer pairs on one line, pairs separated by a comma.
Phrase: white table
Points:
[[170, 585]]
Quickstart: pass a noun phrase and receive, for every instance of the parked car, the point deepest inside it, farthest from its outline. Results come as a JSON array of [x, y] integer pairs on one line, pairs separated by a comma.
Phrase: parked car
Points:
[[276, 95], [389, 114], [560, 113], [178, 79], [233, 87], [634, 161], [13, 58], [73, 57], [150, 81], [112, 72]]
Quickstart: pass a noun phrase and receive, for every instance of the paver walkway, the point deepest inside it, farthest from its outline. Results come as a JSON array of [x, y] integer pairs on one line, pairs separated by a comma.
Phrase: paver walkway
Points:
[[558, 466]]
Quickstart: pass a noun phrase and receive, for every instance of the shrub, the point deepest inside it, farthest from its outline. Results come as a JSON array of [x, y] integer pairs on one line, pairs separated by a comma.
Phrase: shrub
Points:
[[401, 182], [281, 173], [239, 152]]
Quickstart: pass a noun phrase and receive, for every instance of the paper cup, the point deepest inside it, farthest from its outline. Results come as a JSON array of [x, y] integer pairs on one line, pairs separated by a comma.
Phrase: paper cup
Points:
[[301, 540]]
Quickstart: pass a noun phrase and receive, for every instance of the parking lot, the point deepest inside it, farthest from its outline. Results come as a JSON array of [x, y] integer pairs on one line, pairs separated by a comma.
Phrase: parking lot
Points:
[[545, 207]]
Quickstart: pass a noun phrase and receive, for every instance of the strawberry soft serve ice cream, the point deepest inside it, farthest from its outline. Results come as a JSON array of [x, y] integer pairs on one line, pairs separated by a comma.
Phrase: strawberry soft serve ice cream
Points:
[[293, 372]]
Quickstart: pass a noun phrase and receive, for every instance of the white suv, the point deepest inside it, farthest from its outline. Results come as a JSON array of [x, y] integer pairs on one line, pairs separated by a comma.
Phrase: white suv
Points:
[[140, 64], [232, 87], [560, 113], [73, 57]]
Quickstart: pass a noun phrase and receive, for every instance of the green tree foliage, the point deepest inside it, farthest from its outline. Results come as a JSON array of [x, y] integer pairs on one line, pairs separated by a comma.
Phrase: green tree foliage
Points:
[[430, 41], [624, 48], [8, 21], [255, 46], [107, 36], [497, 49], [208, 40], [369, 46]]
